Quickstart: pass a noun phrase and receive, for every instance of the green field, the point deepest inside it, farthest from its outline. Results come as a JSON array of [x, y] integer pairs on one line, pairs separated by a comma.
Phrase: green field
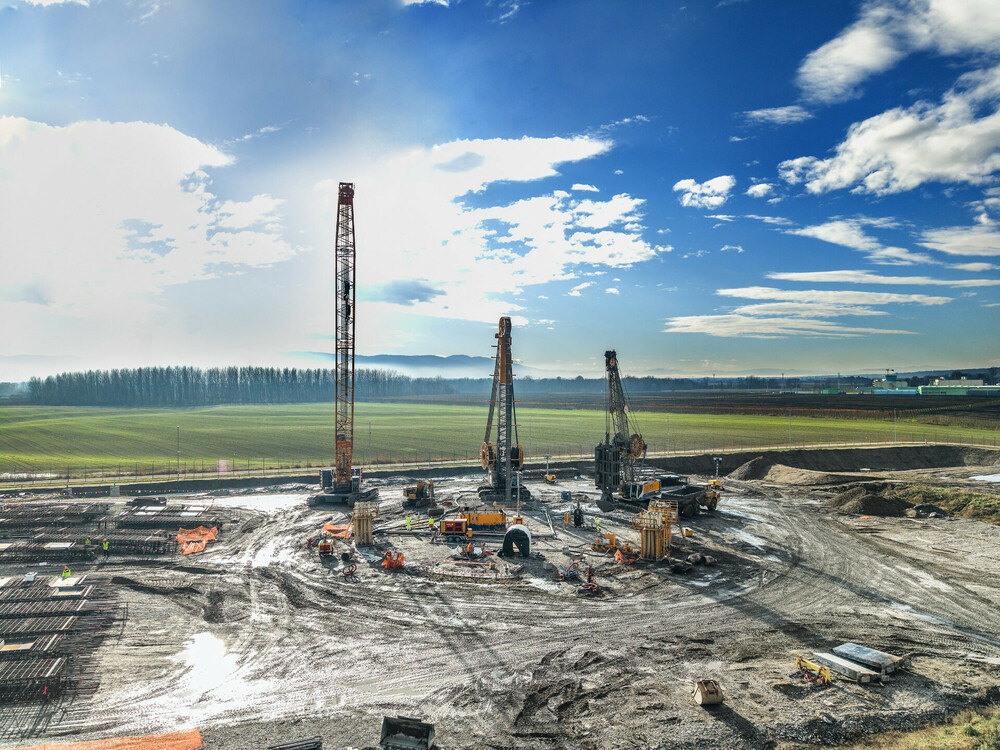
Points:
[[118, 441]]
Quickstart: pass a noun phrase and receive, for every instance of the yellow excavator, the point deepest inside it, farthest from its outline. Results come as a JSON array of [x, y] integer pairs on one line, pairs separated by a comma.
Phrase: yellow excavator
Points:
[[419, 496]]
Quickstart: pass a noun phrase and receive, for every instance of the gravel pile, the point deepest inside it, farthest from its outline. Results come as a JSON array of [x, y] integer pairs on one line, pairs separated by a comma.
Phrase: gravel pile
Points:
[[869, 499], [755, 468]]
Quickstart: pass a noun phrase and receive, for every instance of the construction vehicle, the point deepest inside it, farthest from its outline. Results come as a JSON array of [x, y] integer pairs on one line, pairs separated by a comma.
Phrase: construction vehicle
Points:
[[419, 496], [549, 478], [713, 494], [404, 733], [502, 456], [618, 471], [342, 484]]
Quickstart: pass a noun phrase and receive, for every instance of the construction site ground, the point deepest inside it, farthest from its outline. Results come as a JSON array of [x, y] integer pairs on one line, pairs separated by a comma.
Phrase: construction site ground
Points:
[[257, 640]]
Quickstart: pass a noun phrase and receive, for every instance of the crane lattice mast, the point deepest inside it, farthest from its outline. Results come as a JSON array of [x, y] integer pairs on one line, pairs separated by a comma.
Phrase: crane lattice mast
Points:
[[344, 330], [616, 457], [504, 456]]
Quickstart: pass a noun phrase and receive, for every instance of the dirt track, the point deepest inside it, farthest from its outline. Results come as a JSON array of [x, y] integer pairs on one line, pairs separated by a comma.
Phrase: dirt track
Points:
[[256, 641]]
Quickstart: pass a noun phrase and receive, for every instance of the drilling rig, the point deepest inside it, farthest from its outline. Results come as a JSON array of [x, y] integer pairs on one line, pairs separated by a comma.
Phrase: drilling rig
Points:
[[618, 472], [342, 483], [503, 456]]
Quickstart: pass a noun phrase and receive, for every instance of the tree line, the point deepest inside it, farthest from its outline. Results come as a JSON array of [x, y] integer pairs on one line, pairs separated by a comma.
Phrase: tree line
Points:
[[192, 386]]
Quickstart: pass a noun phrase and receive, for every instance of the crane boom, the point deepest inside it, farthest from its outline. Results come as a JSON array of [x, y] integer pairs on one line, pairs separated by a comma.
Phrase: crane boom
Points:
[[341, 484], [345, 258]]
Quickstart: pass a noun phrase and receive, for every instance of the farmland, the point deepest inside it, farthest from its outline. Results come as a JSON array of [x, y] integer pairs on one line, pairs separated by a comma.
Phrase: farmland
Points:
[[123, 441]]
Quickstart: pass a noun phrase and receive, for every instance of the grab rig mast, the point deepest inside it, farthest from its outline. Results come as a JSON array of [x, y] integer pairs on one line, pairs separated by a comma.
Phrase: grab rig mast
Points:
[[505, 456], [342, 484], [615, 458]]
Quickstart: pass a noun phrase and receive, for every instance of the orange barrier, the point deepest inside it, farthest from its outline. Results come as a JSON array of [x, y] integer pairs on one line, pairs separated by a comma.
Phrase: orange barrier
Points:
[[621, 559], [392, 560], [340, 532], [194, 540], [173, 741]]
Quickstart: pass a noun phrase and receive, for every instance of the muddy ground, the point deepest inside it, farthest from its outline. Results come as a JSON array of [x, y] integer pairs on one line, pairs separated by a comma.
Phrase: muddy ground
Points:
[[258, 641]]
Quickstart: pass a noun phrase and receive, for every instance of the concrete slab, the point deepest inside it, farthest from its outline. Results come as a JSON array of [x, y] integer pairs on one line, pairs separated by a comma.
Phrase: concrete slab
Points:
[[845, 667]]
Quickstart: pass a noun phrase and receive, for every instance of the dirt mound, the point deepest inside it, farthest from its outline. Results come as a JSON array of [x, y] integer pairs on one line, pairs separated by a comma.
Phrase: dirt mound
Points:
[[755, 468], [781, 474], [925, 510], [869, 499]]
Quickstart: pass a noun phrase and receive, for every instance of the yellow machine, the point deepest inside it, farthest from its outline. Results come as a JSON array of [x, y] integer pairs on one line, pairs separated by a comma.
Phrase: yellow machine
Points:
[[422, 494], [812, 671], [606, 543], [550, 478]]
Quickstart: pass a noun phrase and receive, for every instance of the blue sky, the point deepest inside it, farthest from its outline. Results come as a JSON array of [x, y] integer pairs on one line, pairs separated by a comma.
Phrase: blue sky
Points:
[[718, 187]]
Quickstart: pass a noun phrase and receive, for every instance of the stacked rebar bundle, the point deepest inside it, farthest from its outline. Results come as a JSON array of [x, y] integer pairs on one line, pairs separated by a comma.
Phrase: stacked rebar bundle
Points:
[[31, 551], [48, 633]]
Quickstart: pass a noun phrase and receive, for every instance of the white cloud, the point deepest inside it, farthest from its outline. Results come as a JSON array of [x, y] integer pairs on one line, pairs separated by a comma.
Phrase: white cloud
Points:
[[737, 248], [621, 209], [866, 277], [575, 291], [759, 190], [101, 217], [833, 71], [805, 309], [849, 233], [887, 30], [709, 194], [776, 220], [611, 290], [481, 258], [778, 115], [445, 3], [57, 2], [587, 188], [842, 297], [905, 147], [974, 267], [981, 240], [750, 326]]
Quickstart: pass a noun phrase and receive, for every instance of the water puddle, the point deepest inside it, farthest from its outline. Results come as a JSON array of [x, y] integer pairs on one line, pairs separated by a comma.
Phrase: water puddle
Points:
[[750, 539], [208, 667]]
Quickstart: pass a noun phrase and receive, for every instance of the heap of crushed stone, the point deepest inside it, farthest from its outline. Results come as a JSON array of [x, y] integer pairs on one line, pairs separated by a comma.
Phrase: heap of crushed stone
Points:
[[869, 499], [755, 468]]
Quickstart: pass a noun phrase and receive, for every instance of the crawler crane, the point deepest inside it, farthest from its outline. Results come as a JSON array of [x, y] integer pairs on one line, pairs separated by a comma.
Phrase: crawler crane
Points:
[[342, 484]]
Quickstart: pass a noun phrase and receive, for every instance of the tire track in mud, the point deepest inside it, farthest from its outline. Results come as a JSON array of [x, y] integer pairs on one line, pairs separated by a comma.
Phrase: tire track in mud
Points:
[[311, 638]]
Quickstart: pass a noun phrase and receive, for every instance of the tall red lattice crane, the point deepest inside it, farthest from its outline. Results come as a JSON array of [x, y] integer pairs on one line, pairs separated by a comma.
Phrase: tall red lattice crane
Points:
[[342, 484]]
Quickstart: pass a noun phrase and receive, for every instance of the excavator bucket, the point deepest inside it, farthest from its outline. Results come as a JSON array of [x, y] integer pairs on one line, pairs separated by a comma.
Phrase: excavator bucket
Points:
[[707, 693], [404, 733]]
